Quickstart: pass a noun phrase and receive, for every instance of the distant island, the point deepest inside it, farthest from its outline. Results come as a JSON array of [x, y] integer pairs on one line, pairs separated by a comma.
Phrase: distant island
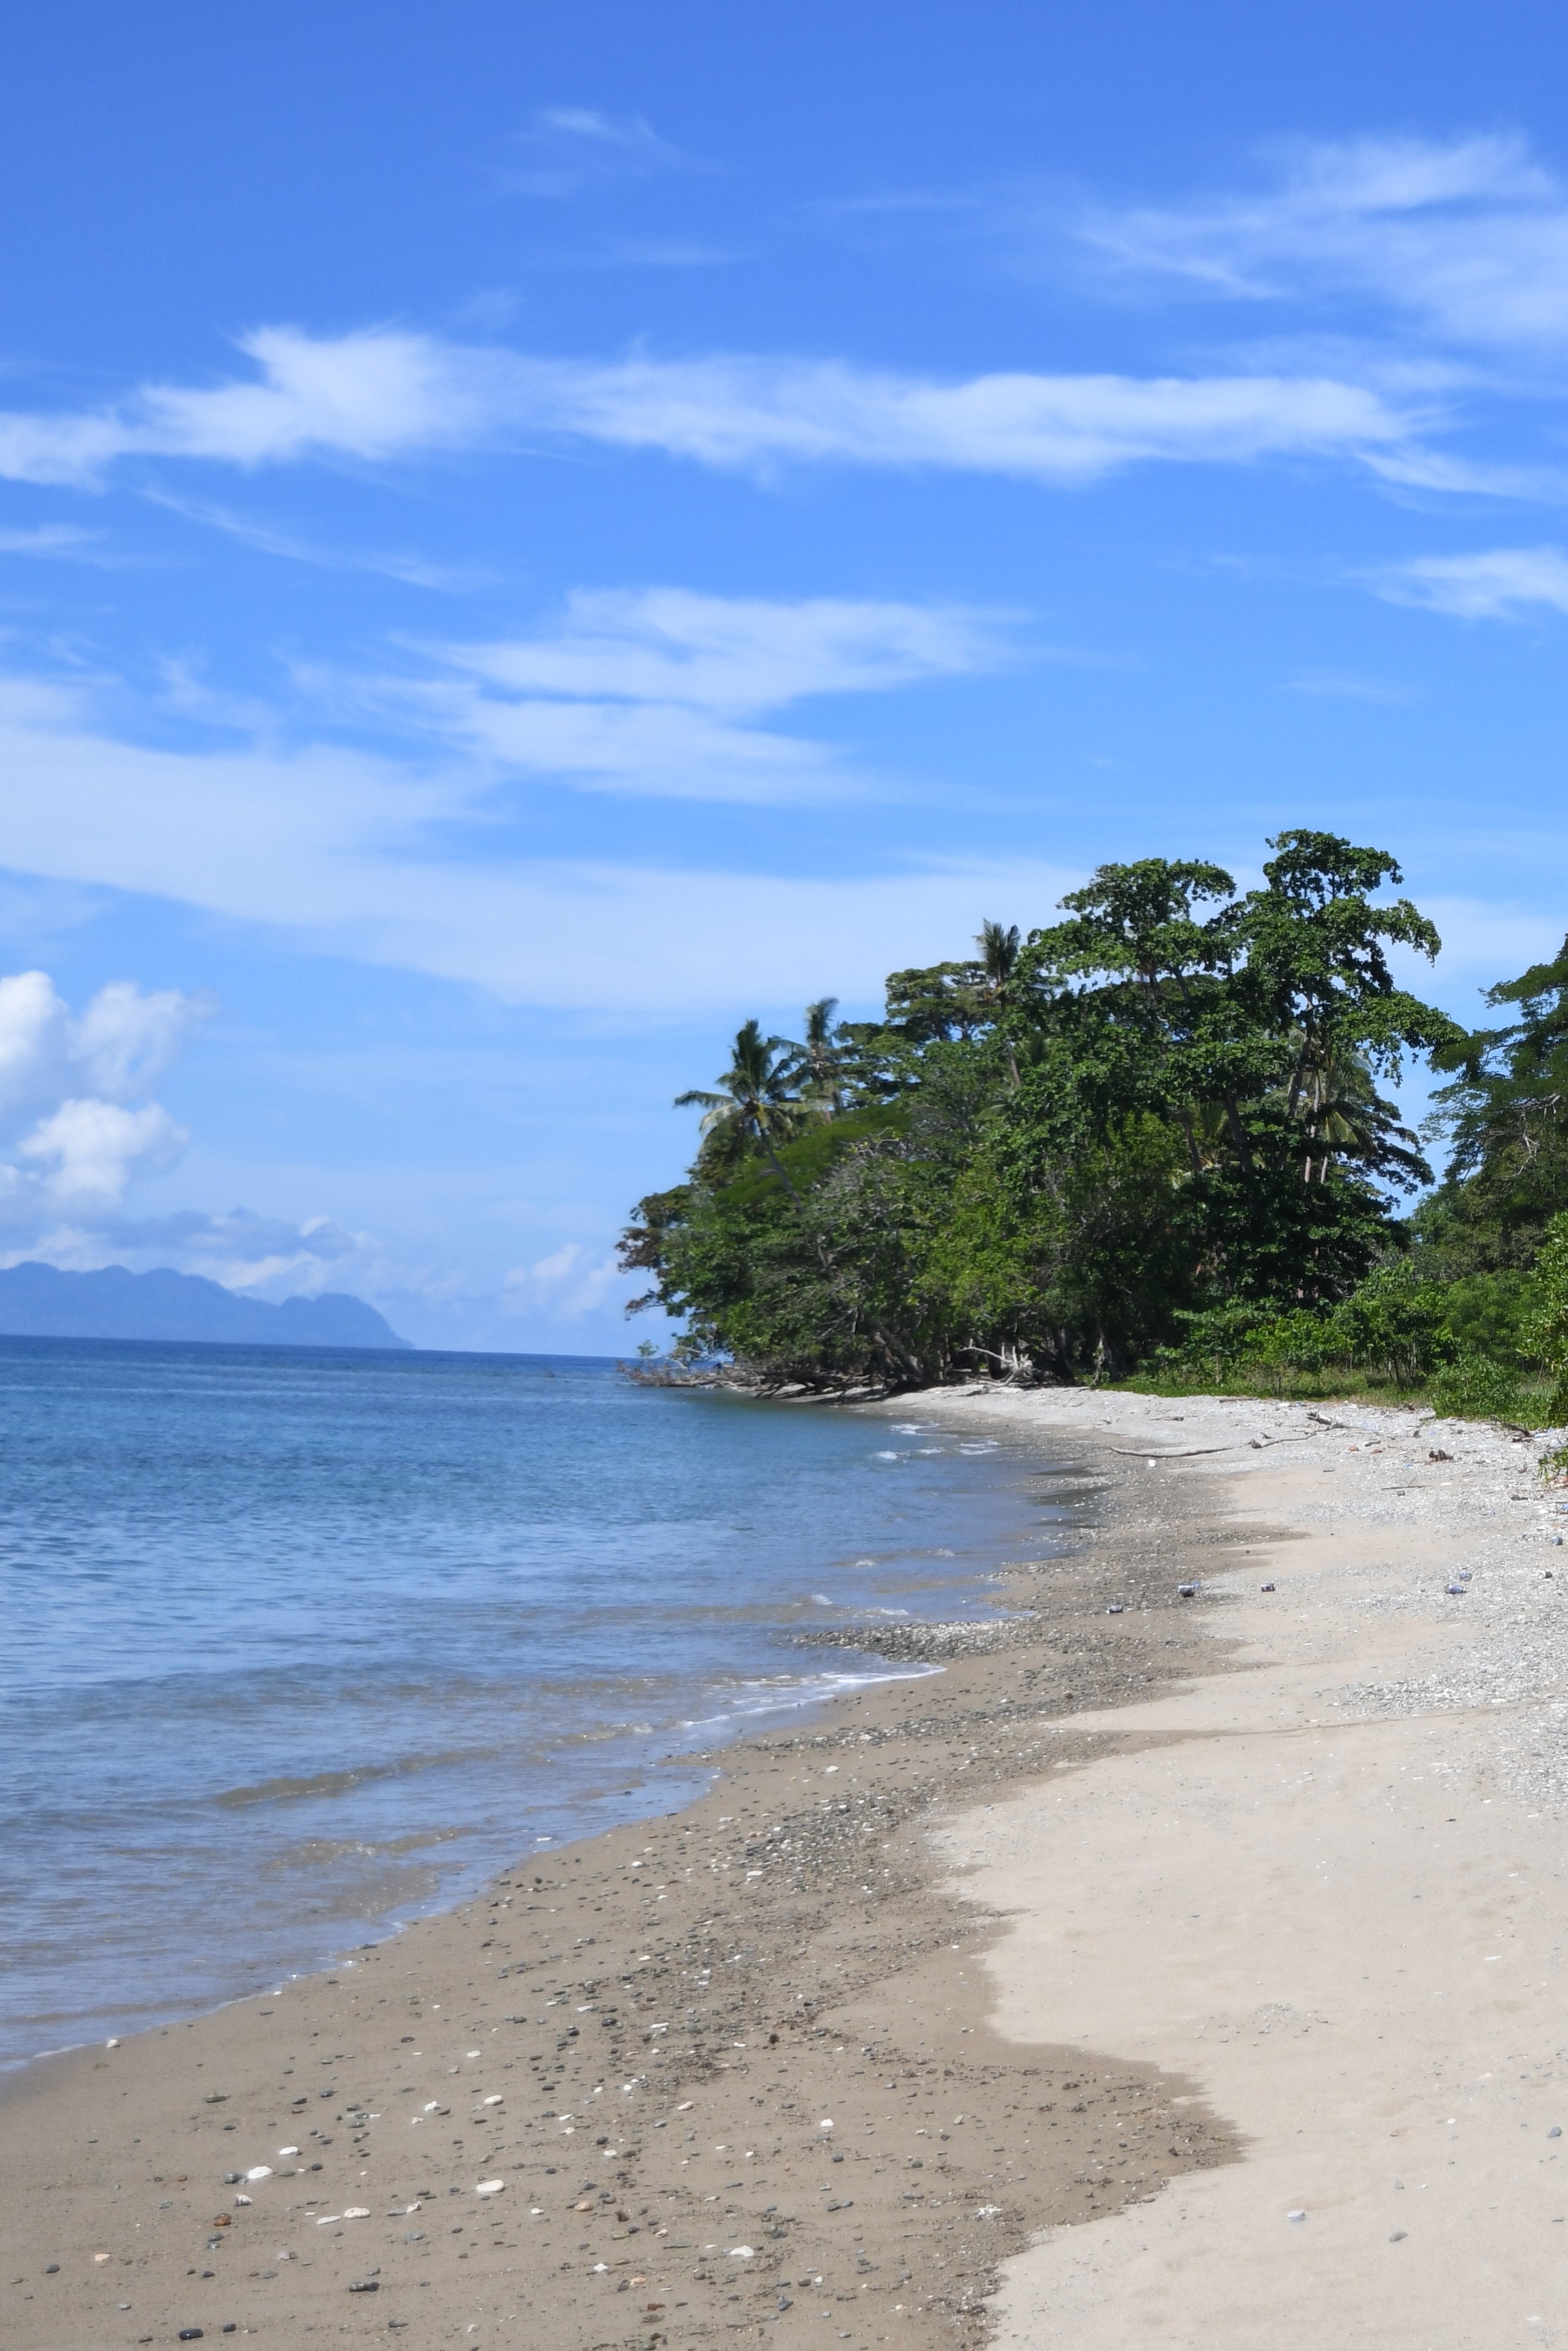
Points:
[[39, 1301]]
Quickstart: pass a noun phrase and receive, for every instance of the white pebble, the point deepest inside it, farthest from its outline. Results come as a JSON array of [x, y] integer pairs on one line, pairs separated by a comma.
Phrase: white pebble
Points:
[[259, 2171], [490, 2187]]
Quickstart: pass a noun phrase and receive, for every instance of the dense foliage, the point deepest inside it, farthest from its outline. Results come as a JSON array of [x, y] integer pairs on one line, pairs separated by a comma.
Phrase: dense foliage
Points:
[[1155, 1132]]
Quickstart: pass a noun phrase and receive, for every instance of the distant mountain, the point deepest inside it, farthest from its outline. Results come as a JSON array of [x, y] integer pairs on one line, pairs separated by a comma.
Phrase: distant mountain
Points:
[[39, 1301]]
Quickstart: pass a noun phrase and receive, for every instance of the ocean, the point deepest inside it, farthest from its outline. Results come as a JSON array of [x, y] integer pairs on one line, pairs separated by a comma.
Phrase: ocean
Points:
[[298, 1645]]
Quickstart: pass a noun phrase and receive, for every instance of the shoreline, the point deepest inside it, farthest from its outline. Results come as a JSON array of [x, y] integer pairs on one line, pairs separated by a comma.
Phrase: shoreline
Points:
[[854, 1926]]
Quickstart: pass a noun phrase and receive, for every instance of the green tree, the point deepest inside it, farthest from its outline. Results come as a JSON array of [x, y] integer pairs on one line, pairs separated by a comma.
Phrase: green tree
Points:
[[1505, 1112], [756, 1100]]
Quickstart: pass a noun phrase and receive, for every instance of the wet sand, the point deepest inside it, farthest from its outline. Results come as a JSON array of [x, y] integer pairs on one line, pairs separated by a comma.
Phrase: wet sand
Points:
[[735, 2068]]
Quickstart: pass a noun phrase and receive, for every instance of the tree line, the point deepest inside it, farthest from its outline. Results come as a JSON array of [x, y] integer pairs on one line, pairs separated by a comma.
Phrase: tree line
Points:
[[1155, 1135]]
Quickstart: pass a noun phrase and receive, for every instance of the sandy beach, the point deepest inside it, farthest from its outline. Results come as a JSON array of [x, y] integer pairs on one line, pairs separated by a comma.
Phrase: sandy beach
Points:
[[1027, 2000]]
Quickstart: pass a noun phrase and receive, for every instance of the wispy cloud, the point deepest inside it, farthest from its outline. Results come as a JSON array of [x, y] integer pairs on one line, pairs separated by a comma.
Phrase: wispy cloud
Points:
[[569, 149], [1338, 685], [659, 691], [393, 864], [1501, 584], [56, 540], [269, 539], [1468, 236], [383, 395]]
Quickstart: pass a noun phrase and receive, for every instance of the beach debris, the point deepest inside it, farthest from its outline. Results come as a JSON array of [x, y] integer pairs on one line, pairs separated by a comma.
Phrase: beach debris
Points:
[[1297, 2215], [1265, 1587], [245, 2200], [1187, 1590], [826, 2123], [1438, 1454], [365, 2285], [1114, 1609], [490, 2187], [113, 2040]]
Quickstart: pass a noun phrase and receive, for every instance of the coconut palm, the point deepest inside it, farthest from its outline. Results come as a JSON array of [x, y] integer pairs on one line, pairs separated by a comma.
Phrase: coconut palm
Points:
[[1337, 1104], [998, 960], [815, 1066], [754, 1098]]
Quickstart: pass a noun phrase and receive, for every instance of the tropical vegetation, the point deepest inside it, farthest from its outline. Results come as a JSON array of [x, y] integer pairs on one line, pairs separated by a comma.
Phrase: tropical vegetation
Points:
[[1155, 1138]]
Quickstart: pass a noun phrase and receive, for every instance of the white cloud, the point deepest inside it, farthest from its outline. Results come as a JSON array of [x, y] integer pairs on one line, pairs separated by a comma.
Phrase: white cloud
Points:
[[1469, 236], [1340, 685], [393, 865], [267, 1257], [1499, 584], [373, 395], [88, 1152], [755, 413], [568, 1284], [54, 539], [268, 538], [383, 394], [71, 1106], [572, 148], [658, 691]]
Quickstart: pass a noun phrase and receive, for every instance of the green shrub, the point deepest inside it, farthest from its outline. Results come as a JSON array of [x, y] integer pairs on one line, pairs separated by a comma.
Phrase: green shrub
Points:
[[1475, 1388], [1546, 1334]]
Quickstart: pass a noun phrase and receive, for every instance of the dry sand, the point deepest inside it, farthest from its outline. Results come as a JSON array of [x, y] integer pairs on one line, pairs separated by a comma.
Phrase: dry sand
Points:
[[1025, 1999], [1336, 1898]]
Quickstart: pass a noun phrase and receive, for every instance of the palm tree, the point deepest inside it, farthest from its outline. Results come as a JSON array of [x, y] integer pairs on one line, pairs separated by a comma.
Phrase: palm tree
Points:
[[1337, 1104], [815, 1066], [754, 1097], [998, 960]]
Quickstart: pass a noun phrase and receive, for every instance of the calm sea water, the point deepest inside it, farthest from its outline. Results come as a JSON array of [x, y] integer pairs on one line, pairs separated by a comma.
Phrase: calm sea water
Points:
[[296, 1645]]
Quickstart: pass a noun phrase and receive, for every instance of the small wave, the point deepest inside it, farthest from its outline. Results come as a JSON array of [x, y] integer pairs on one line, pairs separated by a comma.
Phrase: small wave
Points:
[[757, 1698], [884, 1457]]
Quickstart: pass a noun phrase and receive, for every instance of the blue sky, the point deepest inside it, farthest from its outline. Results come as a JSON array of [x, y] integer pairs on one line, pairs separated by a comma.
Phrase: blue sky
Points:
[[527, 536]]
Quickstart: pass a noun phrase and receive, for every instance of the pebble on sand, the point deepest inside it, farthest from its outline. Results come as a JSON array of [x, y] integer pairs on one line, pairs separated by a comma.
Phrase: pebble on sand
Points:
[[490, 2187]]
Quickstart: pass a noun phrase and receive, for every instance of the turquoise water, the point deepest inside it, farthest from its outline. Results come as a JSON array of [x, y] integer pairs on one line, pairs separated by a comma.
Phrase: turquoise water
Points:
[[295, 1644]]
